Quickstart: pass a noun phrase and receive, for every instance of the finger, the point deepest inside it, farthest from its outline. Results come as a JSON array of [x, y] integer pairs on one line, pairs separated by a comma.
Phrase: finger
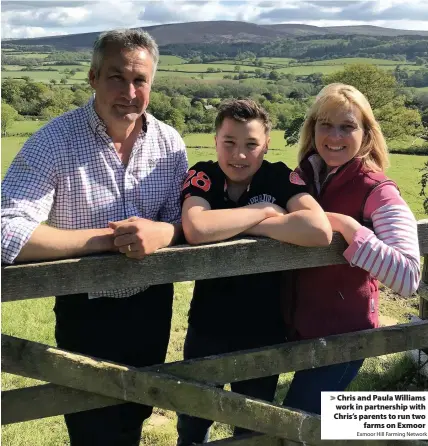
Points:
[[137, 255], [125, 228], [125, 249], [130, 249], [124, 240]]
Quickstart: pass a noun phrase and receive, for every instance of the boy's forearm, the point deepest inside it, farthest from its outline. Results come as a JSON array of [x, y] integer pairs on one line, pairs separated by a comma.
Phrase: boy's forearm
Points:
[[300, 228], [216, 225]]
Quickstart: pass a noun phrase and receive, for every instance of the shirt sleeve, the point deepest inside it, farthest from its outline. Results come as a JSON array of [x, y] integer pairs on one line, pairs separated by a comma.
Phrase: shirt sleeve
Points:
[[171, 210], [199, 183], [291, 184], [390, 252], [27, 195]]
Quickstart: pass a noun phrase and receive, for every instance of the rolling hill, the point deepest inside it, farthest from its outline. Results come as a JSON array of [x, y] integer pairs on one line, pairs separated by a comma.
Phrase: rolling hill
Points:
[[218, 32]]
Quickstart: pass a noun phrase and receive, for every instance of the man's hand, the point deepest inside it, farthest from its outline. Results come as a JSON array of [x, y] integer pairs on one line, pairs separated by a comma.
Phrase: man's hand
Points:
[[137, 237]]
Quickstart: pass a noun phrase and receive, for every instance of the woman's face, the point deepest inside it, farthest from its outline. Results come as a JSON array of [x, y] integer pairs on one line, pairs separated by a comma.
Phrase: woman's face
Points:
[[339, 135]]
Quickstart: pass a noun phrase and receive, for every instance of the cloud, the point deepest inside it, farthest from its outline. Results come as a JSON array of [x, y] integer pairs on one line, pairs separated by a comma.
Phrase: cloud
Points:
[[367, 11], [43, 18], [7, 5]]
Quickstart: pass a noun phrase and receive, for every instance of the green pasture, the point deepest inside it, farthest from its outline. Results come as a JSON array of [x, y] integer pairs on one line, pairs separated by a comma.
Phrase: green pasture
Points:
[[348, 60], [45, 76], [202, 67], [26, 55], [187, 75], [34, 319], [170, 60], [21, 127], [277, 60]]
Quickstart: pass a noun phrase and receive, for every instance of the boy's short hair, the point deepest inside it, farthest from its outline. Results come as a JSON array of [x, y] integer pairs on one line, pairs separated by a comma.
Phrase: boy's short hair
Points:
[[242, 110]]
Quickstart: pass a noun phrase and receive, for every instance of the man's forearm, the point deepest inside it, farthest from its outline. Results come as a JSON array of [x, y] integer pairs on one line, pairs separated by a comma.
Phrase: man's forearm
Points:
[[47, 243], [173, 233]]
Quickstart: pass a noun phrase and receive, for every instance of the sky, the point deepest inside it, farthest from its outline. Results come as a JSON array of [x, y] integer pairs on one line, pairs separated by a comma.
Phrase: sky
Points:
[[20, 19]]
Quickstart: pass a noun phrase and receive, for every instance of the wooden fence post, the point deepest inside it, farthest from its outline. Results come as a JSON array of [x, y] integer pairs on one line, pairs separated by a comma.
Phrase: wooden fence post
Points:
[[423, 291]]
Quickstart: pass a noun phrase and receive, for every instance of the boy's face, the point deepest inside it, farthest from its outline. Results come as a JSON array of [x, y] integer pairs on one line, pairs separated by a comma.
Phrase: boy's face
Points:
[[241, 147]]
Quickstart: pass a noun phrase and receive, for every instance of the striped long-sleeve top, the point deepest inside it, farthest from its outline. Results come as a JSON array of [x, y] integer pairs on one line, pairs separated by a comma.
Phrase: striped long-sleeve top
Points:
[[390, 252]]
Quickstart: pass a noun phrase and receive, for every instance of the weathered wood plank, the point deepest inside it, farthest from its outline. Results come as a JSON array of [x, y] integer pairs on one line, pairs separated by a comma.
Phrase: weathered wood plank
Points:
[[49, 400], [423, 291], [161, 390], [177, 264], [265, 440]]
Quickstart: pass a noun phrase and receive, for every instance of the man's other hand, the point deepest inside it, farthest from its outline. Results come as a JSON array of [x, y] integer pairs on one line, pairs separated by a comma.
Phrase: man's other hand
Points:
[[137, 237]]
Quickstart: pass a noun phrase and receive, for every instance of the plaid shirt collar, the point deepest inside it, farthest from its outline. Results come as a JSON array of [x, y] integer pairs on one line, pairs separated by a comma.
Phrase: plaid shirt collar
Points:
[[98, 125]]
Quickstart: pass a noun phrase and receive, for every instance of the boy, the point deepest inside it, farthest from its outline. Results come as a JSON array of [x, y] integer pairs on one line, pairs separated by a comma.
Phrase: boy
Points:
[[242, 194]]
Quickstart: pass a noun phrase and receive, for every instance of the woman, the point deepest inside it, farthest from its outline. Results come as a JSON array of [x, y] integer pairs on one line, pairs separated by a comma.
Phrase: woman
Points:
[[342, 158]]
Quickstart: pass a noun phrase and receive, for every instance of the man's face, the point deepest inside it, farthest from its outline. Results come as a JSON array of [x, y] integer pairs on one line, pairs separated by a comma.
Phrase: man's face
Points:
[[122, 88], [241, 147]]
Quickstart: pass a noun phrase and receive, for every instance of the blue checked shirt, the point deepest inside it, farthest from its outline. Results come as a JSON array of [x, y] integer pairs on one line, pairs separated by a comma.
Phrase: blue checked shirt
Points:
[[69, 174]]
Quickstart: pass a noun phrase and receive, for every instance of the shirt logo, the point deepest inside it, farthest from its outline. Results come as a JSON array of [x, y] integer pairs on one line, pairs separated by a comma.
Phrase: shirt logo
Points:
[[295, 179], [262, 198]]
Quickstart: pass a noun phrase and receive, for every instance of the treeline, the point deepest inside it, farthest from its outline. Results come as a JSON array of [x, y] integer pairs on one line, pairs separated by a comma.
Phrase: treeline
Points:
[[311, 48], [409, 78], [191, 105], [53, 58]]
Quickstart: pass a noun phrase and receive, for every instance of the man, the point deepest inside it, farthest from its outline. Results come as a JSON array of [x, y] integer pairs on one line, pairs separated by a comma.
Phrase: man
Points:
[[105, 177]]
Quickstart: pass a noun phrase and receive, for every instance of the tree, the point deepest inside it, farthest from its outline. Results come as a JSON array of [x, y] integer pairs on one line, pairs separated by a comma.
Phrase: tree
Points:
[[8, 117], [292, 129], [376, 84], [381, 90], [274, 75]]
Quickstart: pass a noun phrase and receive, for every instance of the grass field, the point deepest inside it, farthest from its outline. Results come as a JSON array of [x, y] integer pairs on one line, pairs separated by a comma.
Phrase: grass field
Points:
[[170, 60], [45, 76], [183, 70], [34, 319], [26, 55], [347, 60]]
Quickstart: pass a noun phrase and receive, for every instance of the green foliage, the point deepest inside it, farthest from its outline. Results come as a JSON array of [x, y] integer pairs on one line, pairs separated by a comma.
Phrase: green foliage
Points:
[[8, 116], [381, 90], [292, 129], [379, 86]]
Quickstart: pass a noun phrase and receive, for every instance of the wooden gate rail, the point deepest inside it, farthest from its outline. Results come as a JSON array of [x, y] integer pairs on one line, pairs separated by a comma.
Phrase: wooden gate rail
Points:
[[114, 380], [80, 382], [266, 440], [126, 383], [176, 264], [49, 400]]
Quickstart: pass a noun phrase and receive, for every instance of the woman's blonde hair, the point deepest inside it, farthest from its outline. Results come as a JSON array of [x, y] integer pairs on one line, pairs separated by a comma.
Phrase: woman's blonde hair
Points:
[[373, 151]]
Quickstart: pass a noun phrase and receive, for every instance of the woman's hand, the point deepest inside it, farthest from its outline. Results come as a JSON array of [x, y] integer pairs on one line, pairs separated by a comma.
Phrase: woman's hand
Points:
[[344, 224]]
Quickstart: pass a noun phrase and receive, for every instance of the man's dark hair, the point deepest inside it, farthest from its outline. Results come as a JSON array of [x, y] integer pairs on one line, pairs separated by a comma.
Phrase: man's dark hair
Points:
[[242, 110]]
